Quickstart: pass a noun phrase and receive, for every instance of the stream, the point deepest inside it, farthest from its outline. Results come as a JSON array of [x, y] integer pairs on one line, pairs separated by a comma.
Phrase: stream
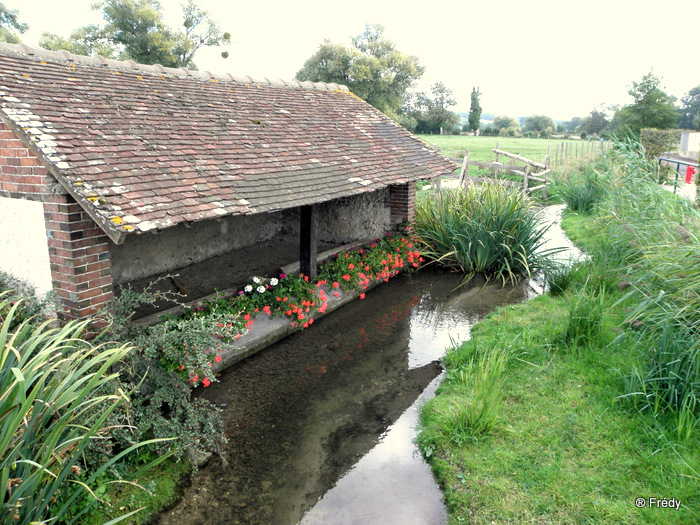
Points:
[[321, 425]]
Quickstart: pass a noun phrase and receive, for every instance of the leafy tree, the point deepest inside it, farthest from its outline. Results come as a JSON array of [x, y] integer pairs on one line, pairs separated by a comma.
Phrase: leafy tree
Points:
[[372, 68], [10, 25], [540, 124], [571, 125], [503, 122], [135, 30], [689, 117], [432, 114], [652, 107], [593, 124], [475, 111], [86, 40], [438, 107]]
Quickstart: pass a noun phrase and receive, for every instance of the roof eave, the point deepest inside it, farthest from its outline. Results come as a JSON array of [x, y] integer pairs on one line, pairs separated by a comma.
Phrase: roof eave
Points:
[[117, 236]]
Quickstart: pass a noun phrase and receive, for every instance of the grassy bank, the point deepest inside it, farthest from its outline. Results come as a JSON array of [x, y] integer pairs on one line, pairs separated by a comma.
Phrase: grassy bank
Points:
[[453, 146], [569, 408]]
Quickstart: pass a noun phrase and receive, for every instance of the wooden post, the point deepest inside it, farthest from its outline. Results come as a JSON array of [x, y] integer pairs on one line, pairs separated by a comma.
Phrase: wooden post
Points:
[[308, 241], [526, 177], [546, 171], [464, 172], [437, 184], [495, 172]]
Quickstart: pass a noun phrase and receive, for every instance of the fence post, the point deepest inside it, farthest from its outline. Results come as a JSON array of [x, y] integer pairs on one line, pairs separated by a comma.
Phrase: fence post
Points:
[[546, 168], [526, 177], [495, 172], [464, 172]]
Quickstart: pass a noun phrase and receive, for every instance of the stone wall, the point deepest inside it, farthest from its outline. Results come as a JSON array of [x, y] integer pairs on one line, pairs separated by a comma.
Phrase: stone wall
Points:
[[345, 220]]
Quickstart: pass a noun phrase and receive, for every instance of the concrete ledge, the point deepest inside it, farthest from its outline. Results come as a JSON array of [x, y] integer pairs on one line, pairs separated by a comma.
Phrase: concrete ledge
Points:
[[268, 330]]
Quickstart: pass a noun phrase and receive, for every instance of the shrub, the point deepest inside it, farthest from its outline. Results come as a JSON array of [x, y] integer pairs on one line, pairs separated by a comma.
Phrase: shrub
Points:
[[58, 392], [170, 358], [472, 414], [585, 319], [489, 229], [667, 384], [581, 190]]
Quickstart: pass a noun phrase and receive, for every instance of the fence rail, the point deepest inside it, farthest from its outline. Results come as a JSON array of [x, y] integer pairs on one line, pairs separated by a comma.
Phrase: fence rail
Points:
[[532, 170]]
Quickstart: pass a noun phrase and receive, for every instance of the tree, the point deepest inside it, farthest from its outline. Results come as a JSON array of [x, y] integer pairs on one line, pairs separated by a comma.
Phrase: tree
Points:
[[431, 114], [10, 25], [475, 111], [503, 122], [438, 107], [135, 30], [689, 117], [652, 107], [541, 124], [373, 69], [594, 124], [571, 125]]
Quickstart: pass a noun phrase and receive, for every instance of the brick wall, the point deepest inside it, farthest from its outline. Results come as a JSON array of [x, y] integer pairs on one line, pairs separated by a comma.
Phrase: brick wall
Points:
[[402, 198], [78, 248]]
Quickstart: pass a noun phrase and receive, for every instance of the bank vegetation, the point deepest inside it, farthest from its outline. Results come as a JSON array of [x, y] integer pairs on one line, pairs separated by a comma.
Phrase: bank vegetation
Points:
[[583, 404]]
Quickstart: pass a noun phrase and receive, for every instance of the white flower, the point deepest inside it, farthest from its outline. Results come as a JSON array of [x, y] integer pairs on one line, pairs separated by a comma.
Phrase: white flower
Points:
[[274, 281], [257, 280], [248, 288], [260, 289]]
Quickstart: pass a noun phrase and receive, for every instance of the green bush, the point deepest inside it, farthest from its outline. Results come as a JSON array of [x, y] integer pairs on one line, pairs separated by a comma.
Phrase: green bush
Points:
[[581, 190], [667, 384], [58, 392], [490, 229]]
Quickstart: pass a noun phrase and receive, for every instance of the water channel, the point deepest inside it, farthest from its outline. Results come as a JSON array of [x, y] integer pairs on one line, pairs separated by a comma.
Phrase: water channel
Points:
[[321, 425], [335, 406]]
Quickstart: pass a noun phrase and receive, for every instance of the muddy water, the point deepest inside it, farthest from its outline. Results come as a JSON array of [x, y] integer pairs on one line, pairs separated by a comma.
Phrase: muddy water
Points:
[[321, 425]]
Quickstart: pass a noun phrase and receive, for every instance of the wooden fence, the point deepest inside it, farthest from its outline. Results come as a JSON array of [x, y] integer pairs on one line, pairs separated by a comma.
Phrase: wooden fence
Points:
[[529, 170], [532, 170], [572, 151]]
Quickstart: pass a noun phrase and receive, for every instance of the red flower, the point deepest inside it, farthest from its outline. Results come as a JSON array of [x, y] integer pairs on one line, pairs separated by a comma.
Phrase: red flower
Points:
[[266, 309], [335, 285], [206, 382], [217, 359], [362, 296], [351, 266], [346, 277]]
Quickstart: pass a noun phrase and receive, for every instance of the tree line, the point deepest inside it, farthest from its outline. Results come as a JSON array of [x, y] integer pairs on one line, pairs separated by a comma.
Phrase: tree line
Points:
[[371, 66]]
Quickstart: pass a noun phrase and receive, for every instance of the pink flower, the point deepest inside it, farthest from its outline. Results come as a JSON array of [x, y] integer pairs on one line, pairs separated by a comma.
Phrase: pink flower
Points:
[[206, 382], [217, 359]]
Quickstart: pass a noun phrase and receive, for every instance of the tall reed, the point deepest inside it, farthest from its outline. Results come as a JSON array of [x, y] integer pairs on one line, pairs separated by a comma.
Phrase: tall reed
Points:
[[489, 229], [57, 392]]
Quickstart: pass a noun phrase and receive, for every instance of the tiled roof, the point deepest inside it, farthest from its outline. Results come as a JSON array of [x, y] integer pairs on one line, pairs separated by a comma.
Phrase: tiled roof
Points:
[[146, 147]]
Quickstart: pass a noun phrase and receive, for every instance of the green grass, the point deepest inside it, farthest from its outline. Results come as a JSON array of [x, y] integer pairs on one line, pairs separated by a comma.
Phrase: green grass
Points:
[[564, 451], [164, 488], [598, 403], [453, 146]]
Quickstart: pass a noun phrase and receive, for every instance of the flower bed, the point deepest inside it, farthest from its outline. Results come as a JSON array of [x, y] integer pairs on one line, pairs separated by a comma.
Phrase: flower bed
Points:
[[299, 299]]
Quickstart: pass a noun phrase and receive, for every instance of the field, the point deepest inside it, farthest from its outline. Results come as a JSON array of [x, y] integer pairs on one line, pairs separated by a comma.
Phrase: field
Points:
[[453, 146]]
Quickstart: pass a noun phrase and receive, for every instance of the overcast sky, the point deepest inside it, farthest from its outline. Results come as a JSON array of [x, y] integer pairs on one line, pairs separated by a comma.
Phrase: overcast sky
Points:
[[551, 57]]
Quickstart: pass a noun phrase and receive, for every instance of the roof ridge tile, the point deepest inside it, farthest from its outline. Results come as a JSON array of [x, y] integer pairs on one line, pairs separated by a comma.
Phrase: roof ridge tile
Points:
[[157, 69]]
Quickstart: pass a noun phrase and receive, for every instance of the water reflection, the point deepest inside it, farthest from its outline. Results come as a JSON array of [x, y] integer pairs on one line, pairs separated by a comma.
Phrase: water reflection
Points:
[[304, 412]]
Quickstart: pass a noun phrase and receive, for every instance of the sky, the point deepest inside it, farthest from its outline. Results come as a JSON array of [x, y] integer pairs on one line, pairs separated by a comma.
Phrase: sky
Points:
[[547, 57]]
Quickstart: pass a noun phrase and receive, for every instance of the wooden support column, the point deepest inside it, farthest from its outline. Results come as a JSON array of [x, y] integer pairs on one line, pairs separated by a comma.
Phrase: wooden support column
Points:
[[308, 237]]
